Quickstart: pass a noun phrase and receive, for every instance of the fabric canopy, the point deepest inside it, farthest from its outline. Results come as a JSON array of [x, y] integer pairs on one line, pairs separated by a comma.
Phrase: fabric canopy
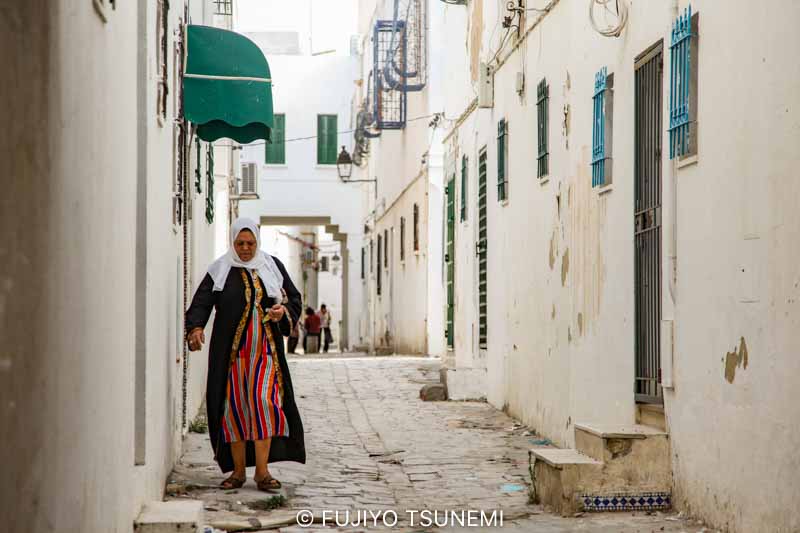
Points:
[[227, 86]]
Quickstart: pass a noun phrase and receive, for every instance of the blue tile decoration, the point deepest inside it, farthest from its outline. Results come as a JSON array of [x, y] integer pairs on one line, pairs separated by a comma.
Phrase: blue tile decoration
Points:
[[626, 501]]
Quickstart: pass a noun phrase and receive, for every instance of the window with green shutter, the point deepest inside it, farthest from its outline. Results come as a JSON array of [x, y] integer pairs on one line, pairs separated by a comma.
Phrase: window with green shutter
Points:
[[502, 160], [464, 176], [276, 150], [327, 139]]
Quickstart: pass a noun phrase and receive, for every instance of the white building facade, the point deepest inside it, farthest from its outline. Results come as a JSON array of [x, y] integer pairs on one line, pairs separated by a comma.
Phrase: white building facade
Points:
[[401, 258], [103, 244], [566, 311]]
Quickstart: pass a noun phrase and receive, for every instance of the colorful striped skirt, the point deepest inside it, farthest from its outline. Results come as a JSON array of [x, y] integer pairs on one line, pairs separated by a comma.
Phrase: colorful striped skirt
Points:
[[253, 408]]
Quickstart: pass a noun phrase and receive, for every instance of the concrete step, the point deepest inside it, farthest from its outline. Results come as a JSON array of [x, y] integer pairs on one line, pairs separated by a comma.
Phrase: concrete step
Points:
[[184, 516], [612, 468], [558, 476]]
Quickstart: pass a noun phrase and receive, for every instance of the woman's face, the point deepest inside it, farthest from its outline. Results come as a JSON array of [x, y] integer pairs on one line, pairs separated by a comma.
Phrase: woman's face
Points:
[[245, 245]]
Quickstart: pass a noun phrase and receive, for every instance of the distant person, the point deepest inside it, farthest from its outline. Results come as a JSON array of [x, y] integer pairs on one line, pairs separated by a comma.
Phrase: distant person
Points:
[[294, 337], [325, 319], [312, 325], [252, 416]]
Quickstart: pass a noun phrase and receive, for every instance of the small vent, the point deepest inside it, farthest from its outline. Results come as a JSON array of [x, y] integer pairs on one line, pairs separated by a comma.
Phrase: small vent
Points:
[[249, 183]]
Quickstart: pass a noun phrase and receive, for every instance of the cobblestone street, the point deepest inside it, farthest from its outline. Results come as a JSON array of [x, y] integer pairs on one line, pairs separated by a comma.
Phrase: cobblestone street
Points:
[[374, 445]]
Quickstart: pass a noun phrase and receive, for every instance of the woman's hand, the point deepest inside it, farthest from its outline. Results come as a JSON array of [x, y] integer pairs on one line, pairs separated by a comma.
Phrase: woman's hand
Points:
[[196, 338], [276, 313]]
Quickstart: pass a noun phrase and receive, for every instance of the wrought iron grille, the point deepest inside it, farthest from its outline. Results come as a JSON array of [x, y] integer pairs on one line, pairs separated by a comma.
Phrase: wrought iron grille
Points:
[[647, 224], [543, 115], [679, 87], [598, 129], [389, 94], [407, 57]]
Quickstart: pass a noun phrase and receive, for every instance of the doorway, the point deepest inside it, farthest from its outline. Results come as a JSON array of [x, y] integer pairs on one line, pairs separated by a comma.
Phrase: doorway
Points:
[[647, 224]]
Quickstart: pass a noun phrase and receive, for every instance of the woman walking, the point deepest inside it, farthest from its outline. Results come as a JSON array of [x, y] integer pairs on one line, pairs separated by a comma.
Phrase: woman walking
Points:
[[252, 416]]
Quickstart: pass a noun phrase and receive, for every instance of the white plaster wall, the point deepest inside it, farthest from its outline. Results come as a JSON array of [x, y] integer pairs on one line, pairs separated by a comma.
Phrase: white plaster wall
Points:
[[738, 276], [561, 346], [68, 302]]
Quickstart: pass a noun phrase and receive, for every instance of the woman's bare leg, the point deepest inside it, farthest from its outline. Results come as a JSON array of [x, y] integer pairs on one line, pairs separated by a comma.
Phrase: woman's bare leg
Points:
[[262, 458], [238, 452]]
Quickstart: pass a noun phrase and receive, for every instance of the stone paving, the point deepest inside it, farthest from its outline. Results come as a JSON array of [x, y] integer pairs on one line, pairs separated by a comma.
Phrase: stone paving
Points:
[[373, 445]]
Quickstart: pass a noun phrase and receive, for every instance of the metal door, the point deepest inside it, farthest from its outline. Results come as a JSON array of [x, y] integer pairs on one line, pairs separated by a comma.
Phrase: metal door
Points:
[[647, 224], [480, 250]]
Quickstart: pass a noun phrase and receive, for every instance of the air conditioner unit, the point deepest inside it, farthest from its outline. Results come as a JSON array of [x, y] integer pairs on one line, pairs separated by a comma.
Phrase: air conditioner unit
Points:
[[248, 182]]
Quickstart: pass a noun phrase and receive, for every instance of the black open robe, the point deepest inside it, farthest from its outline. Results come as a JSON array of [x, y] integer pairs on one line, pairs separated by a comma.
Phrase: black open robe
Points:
[[230, 304]]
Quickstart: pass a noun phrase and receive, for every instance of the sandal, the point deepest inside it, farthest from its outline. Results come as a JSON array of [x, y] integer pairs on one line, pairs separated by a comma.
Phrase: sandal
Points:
[[268, 483], [232, 482]]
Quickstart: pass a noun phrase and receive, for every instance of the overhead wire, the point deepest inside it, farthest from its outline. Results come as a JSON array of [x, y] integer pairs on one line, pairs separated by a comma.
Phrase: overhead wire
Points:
[[343, 131]]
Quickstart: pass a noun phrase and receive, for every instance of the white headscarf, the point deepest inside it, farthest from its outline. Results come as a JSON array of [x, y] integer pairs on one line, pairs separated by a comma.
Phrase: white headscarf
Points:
[[261, 262]]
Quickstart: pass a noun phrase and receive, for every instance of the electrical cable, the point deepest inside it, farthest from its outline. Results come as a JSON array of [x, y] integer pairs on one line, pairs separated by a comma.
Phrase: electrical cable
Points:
[[621, 14], [338, 132]]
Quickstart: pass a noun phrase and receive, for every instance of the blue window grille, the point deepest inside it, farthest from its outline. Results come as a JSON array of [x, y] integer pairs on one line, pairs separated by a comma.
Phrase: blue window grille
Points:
[[390, 94], [680, 78], [599, 129]]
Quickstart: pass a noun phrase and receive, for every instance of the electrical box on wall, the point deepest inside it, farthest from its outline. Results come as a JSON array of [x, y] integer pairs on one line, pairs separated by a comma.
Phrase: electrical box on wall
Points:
[[486, 86], [519, 84]]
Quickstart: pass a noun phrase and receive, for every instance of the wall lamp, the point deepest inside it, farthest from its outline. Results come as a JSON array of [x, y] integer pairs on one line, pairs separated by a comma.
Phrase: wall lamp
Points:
[[344, 166]]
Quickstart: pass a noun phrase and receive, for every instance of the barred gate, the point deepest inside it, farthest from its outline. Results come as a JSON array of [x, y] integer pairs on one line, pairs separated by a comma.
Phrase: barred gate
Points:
[[647, 224], [480, 250]]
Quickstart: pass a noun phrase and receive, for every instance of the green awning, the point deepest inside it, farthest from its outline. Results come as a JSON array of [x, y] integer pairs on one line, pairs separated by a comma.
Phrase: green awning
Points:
[[227, 86]]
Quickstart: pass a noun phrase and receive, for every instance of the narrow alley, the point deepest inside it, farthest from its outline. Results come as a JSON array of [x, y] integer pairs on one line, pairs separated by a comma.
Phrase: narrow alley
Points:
[[373, 445], [415, 265]]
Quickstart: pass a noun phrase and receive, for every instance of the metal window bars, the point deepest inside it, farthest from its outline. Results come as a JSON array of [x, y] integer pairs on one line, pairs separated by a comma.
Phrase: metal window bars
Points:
[[680, 74], [543, 115], [223, 7], [407, 54], [389, 94], [599, 129]]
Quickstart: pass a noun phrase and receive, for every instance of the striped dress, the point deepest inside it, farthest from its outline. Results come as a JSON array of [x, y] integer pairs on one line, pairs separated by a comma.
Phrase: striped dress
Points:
[[253, 405]]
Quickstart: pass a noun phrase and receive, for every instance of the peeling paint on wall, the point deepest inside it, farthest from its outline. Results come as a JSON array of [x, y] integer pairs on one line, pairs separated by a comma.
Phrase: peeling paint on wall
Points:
[[553, 314], [475, 33], [735, 359], [553, 249], [585, 232]]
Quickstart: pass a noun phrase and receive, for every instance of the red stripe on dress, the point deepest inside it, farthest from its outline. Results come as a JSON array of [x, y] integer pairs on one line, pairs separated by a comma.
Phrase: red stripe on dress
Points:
[[264, 426]]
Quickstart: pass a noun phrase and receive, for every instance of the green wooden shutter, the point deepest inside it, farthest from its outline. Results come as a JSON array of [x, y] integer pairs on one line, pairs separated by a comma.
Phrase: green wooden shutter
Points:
[[464, 166], [327, 139], [483, 279], [502, 155], [276, 150], [449, 259]]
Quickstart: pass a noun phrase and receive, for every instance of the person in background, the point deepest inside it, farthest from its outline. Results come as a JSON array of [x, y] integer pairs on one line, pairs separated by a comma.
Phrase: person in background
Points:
[[294, 337], [325, 319], [312, 327]]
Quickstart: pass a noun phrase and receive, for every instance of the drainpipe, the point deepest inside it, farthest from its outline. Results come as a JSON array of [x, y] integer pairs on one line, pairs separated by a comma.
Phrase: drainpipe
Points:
[[669, 265]]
